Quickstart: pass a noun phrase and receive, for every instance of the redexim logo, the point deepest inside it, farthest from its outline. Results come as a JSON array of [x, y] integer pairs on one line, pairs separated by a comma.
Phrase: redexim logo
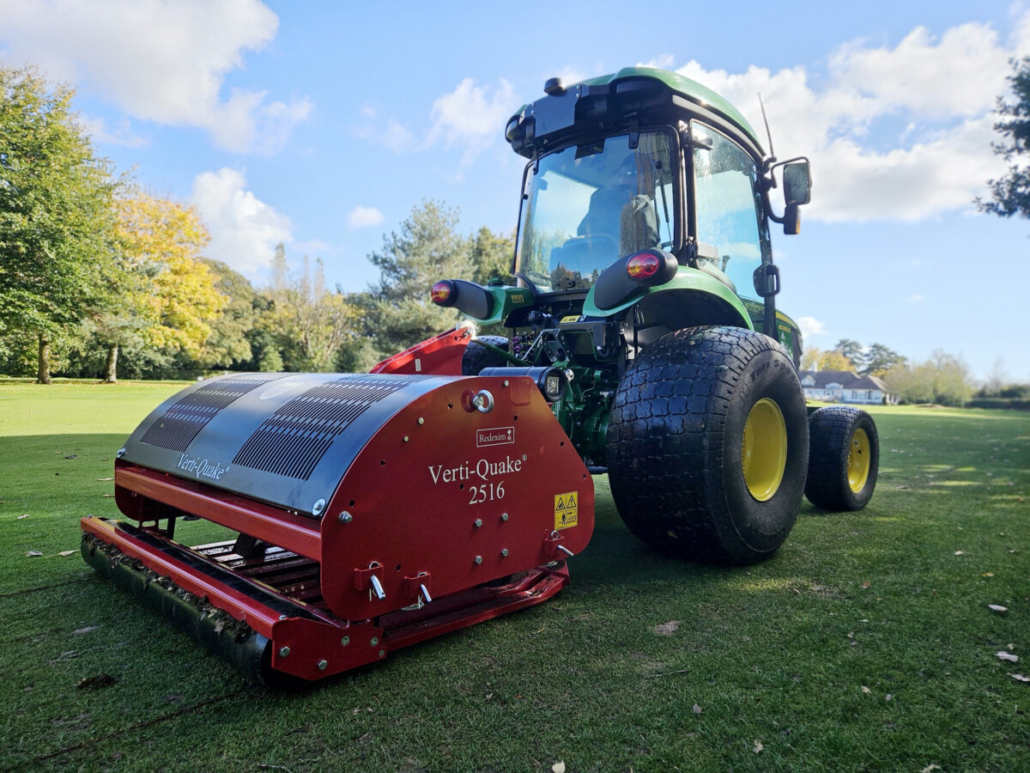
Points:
[[201, 468], [498, 436]]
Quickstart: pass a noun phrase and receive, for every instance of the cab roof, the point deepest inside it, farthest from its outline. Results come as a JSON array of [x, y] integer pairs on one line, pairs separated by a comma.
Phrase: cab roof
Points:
[[689, 89]]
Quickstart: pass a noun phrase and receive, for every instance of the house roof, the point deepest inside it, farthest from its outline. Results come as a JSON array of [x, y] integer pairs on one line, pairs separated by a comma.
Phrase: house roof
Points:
[[847, 380]]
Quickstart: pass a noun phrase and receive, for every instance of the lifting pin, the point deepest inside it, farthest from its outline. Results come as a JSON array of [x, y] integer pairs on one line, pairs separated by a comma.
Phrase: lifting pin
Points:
[[377, 587], [564, 549], [425, 593]]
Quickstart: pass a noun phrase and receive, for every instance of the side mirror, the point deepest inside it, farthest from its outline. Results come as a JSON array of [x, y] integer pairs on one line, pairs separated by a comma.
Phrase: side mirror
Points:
[[797, 183]]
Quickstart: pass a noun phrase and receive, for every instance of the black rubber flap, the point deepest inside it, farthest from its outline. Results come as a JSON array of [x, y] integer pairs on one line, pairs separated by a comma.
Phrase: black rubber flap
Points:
[[285, 439]]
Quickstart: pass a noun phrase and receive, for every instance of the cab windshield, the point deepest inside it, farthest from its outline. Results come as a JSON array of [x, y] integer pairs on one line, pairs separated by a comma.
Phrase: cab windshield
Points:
[[590, 205]]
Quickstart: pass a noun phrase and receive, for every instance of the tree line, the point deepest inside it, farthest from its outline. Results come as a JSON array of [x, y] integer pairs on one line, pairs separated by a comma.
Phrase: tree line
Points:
[[99, 276]]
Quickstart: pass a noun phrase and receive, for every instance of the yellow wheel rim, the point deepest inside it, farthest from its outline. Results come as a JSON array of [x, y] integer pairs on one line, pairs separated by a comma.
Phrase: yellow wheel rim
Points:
[[859, 460], [764, 451]]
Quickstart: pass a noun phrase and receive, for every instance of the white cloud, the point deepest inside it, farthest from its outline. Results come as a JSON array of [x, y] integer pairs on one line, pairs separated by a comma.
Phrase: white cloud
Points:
[[468, 117], [810, 326], [943, 88], [363, 217], [244, 230], [122, 134], [158, 60], [917, 298]]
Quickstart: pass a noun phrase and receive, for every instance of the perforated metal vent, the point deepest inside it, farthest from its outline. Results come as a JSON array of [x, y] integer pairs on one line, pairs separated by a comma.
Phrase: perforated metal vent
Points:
[[181, 423], [294, 438]]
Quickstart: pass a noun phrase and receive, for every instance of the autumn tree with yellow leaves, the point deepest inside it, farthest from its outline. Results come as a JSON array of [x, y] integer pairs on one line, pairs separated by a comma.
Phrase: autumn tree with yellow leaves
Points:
[[161, 292]]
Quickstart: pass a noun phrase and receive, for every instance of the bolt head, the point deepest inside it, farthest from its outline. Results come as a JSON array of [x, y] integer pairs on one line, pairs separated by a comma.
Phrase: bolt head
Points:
[[284, 652], [504, 516], [345, 641], [346, 517], [405, 438], [374, 641], [322, 665], [282, 617], [382, 653], [318, 507], [506, 382], [504, 553], [479, 559], [478, 522], [421, 420]]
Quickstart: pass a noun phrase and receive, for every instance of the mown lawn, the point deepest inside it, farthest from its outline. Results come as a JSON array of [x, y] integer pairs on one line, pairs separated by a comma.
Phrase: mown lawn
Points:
[[865, 644]]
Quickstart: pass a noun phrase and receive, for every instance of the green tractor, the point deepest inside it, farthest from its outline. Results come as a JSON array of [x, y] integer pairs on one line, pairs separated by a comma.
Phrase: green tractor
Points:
[[645, 277]]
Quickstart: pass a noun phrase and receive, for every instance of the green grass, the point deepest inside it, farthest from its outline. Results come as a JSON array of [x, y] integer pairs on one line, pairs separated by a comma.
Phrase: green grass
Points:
[[778, 653]]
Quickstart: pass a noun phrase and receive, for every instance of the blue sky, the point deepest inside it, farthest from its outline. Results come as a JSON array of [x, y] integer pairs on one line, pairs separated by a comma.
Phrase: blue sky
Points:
[[322, 124]]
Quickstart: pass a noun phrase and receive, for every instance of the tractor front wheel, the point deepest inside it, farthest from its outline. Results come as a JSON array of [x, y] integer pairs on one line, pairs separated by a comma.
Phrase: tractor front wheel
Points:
[[477, 357], [708, 445], [843, 458]]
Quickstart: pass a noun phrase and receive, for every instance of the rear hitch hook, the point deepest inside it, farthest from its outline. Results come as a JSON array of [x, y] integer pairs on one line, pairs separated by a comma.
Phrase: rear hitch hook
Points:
[[377, 587]]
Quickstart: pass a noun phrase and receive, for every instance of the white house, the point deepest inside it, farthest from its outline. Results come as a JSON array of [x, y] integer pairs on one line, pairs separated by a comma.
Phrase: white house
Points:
[[841, 386]]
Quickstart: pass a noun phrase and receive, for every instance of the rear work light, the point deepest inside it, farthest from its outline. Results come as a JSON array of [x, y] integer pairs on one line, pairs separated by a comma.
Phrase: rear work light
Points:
[[443, 293], [643, 266]]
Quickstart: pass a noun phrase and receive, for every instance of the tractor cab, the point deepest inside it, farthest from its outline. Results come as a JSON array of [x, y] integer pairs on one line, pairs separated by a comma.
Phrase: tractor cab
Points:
[[647, 160]]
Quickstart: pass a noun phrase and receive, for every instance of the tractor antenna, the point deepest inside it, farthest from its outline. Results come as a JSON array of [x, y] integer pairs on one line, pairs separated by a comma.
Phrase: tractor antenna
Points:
[[772, 156]]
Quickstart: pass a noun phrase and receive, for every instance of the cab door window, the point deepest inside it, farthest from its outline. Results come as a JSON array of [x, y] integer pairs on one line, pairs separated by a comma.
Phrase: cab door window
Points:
[[732, 232]]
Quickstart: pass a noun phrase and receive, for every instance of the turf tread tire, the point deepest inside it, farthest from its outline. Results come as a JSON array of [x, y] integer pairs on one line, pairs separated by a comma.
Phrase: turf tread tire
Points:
[[674, 444], [830, 431], [477, 357]]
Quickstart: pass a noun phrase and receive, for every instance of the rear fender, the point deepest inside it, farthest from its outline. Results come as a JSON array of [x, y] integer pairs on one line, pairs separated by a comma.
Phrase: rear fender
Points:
[[691, 298]]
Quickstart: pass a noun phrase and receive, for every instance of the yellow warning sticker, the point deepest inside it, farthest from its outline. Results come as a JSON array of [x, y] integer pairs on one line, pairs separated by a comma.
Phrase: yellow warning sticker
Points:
[[573, 318], [566, 510]]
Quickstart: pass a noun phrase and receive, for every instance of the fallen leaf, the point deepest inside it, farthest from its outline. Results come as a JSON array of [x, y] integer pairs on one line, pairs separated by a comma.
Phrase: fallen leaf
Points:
[[87, 629], [108, 495], [1003, 655], [667, 629], [67, 552], [931, 768], [105, 478], [1020, 678], [33, 554], [866, 584], [697, 709], [888, 698], [73, 456], [558, 767], [23, 516], [959, 553], [758, 746], [866, 690], [1011, 646], [998, 608], [851, 635], [987, 574], [92, 682]]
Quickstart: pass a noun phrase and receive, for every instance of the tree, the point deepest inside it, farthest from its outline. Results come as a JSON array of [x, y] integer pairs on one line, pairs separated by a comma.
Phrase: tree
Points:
[[944, 379], [878, 360], [997, 379], [161, 240], [1011, 194], [814, 358], [229, 343], [851, 350], [56, 218], [427, 248], [491, 255], [311, 323]]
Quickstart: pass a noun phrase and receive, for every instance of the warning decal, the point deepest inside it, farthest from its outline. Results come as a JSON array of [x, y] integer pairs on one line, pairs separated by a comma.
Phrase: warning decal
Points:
[[566, 510]]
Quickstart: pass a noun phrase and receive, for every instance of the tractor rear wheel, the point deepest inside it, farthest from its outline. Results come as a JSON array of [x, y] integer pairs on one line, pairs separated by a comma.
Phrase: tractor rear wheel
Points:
[[477, 357], [708, 445], [843, 458]]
